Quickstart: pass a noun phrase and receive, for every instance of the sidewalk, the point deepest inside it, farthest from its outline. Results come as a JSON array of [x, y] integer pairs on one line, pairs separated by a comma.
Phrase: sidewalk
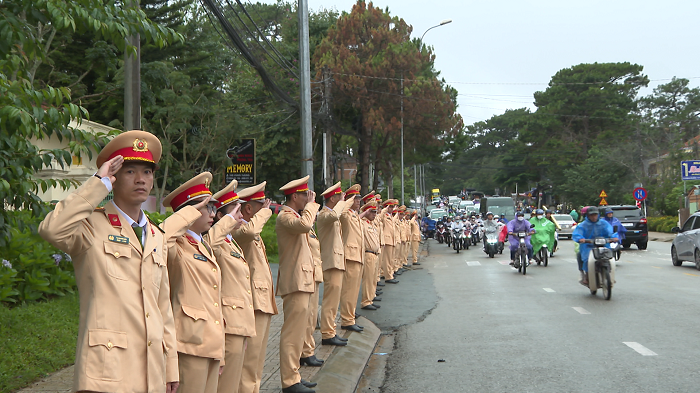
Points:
[[661, 237], [340, 373]]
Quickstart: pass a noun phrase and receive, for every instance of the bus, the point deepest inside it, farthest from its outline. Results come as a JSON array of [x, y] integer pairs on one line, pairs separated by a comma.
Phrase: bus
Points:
[[500, 206]]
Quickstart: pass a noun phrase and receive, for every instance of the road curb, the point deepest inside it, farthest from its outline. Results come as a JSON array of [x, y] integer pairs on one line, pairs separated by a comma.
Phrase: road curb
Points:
[[343, 369]]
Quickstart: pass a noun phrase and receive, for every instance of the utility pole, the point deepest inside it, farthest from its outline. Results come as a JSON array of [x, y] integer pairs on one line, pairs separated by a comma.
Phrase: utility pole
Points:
[[402, 202], [132, 81], [328, 134], [307, 167]]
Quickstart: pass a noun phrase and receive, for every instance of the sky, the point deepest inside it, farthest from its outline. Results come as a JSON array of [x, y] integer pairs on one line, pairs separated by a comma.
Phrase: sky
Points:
[[497, 53]]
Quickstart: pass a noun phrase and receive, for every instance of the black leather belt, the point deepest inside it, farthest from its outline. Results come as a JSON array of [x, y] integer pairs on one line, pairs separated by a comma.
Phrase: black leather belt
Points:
[[372, 252]]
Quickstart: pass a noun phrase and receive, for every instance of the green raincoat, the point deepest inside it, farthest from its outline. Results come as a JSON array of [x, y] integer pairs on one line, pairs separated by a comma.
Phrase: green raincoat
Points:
[[544, 233]]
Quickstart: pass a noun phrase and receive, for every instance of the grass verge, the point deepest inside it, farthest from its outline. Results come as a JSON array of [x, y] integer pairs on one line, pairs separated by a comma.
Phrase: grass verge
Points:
[[36, 340]]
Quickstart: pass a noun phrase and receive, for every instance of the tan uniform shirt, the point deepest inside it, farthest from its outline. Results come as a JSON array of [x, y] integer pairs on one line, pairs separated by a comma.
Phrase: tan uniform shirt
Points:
[[388, 227], [371, 236], [296, 271], [248, 237], [330, 236], [351, 226], [126, 334], [236, 293], [397, 230], [405, 231], [316, 252], [195, 282]]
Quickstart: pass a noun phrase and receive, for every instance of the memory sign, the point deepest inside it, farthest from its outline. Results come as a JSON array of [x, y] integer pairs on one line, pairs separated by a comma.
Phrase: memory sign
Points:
[[690, 170], [242, 166]]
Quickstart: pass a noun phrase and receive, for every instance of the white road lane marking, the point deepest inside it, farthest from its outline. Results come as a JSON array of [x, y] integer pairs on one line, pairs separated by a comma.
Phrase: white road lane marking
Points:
[[581, 310], [504, 262], [473, 263], [641, 349], [549, 290], [528, 277]]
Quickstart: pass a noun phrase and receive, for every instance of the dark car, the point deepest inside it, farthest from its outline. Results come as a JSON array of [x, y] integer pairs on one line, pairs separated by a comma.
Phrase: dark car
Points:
[[632, 218]]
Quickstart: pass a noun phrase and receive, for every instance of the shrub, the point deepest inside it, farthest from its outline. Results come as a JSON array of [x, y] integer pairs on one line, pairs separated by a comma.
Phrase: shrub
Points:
[[662, 223], [269, 236]]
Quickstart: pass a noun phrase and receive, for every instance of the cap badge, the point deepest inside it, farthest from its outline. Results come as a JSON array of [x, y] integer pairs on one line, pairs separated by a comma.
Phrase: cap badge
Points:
[[140, 145]]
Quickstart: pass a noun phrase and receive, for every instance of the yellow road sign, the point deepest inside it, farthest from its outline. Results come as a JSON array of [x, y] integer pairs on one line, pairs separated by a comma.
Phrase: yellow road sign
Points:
[[603, 195], [603, 202]]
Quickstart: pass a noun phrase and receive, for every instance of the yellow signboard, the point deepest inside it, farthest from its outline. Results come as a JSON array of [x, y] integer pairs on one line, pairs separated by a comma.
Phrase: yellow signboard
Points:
[[603, 202], [603, 195]]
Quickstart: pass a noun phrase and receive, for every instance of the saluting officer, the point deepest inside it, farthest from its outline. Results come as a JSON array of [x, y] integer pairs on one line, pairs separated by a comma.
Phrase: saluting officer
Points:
[[388, 235], [236, 294], [371, 240], [415, 238], [295, 278], [255, 213], [308, 356], [333, 257], [195, 279], [126, 334], [353, 239]]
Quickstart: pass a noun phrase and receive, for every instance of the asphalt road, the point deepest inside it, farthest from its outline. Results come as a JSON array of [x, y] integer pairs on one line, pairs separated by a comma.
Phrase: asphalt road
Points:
[[500, 331]]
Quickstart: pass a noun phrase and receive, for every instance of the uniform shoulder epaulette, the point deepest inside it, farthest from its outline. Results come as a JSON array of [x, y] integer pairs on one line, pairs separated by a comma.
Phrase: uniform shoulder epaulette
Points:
[[155, 225]]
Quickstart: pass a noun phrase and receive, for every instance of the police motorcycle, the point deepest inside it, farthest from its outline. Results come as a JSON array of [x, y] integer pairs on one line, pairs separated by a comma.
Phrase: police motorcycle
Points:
[[492, 246], [602, 274], [458, 239]]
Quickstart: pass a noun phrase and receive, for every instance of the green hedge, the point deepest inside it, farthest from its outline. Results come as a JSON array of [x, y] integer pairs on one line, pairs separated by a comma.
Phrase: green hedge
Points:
[[662, 224], [269, 236]]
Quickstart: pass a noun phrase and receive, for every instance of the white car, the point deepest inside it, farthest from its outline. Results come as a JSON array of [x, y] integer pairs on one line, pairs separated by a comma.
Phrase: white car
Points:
[[437, 214]]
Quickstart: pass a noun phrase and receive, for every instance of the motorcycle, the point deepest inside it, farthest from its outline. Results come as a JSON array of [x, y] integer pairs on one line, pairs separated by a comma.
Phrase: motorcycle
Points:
[[602, 274], [542, 256], [491, 247], [467, 238], [440, 233], [457, 239], [521, 262], [448, 237], [475, 234]]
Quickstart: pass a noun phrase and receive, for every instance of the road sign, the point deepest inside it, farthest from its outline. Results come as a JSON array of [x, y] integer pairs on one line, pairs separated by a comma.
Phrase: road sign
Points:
[[639, 194], [603, 202], [690, 170], [603, 194]]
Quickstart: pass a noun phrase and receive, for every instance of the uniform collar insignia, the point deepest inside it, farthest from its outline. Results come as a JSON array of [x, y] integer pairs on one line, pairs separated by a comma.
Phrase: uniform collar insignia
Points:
[[227, 241], [114, 220], [191, 240]]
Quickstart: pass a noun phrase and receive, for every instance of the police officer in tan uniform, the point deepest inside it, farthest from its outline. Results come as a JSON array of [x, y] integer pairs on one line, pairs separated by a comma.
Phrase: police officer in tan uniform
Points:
[[126, 334], [333, 257], [236, 293], [415, 238], [353, 239], [295, 279], [255, 213], [308, 356], [369, 274], [195, 281], [388, 235]]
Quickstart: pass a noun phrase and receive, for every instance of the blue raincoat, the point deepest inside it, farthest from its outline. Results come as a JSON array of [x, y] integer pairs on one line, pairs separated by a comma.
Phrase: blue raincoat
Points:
[[590, 230], [621, 230]]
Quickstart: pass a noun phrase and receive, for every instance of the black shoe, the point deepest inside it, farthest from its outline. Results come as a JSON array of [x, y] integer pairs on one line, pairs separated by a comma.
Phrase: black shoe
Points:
[[377, 306], [378, 292], [334, 341], [406, 266], [398, 272], [357, 315], [353, 328], [377, 299], [341, 339], [381, 277], [369, 307], [416, 263], [311, 361], [298, 388], [308, 384], [392, 281], [380, 284], [361, 327]]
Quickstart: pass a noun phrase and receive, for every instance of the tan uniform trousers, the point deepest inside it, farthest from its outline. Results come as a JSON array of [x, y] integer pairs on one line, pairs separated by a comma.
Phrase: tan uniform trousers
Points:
[[332, 287], [309, 342], [230, 378], [414, 250], [388, 262], [197, 374], [296, 316], [351, 290], [369, 279], [254, 357]]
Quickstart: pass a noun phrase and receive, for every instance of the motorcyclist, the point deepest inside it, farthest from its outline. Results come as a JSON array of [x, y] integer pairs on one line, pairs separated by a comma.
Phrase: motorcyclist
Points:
[[590, 228], [549, 214], [491, 227], [613, 221], [545, 231], [519, 225]]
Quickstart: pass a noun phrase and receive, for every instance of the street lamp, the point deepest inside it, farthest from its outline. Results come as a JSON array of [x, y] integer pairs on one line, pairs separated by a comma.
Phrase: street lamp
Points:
[[444, 22]]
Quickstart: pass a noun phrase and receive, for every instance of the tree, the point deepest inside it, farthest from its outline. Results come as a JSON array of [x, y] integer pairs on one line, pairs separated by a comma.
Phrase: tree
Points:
[[27, 31]]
